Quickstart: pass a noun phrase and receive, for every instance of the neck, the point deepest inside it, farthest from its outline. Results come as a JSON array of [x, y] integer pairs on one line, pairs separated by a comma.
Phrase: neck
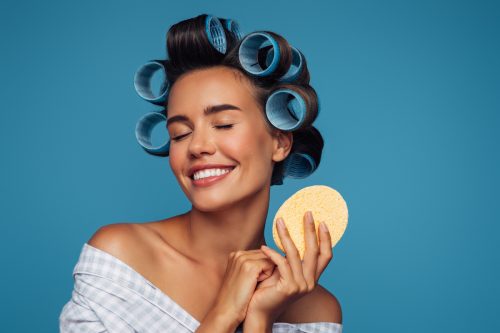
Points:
[[214, 235]]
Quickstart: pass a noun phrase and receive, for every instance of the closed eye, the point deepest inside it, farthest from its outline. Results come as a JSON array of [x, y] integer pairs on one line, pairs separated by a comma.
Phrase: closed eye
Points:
[[228, 126], [177, 138], [225, 126]]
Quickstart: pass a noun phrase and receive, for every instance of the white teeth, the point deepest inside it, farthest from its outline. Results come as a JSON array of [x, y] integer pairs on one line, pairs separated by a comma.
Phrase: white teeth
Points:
[[210, 172]]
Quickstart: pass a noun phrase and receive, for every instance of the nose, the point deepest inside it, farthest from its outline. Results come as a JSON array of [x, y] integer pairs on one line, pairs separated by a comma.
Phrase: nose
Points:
[[200, 144]]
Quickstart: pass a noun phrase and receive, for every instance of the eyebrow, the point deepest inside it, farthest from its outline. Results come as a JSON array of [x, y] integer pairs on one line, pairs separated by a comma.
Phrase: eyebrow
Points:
[[211, 109]]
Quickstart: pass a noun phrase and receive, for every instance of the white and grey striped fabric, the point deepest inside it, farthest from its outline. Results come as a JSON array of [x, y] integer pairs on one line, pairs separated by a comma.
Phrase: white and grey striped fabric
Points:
[[110, 296]]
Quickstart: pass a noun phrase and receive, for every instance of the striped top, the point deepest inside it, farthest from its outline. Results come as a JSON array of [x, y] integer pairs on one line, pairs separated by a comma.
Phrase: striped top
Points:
[[110, 296]]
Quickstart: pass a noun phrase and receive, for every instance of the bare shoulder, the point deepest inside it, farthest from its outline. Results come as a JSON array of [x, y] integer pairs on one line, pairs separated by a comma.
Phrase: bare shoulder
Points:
[[140, 245], [318, 306], [117, 239]]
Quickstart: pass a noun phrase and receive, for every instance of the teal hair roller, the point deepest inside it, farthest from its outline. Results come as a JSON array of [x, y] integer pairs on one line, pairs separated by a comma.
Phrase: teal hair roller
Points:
[[143, 131], [142, 82], [215, 33], [295, 67], [299, 165], [249, 51], [286, 109], [234, 27]]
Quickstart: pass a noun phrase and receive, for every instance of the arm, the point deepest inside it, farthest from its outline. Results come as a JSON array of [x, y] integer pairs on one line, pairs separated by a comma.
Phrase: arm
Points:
[[216, 321], [257, 325], [319, 308], [77, 316]]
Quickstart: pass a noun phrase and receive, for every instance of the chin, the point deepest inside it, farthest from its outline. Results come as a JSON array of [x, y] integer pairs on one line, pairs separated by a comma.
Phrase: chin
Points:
[[211, 206]]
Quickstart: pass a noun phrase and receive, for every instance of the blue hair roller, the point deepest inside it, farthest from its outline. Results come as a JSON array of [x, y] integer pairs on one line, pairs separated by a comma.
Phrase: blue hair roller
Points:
[[285, 113], [215, 33], [142, 82], [234, 27], [295, 67], [299, 165], [249, 50], [143, 131]]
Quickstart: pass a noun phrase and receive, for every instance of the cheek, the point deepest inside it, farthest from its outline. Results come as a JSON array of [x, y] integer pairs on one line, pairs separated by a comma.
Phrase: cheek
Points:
[[174, 161], [242, 142], [249, 144]]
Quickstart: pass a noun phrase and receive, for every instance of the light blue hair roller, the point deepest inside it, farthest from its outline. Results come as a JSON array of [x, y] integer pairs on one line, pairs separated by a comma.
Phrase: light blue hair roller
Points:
[[215, 33], [249, 51], [286, 109], [142, 82], [299, 165], [234, 27], [295, 67], [143, 131]]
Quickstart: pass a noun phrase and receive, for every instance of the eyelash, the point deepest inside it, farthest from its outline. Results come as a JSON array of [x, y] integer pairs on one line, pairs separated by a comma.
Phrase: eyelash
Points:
[[180, 137]]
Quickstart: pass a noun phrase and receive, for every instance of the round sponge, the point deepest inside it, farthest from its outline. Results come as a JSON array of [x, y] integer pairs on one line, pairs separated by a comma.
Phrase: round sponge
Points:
[[326, 205]]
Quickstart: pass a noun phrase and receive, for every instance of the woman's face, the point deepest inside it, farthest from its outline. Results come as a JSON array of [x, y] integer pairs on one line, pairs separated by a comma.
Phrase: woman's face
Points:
[[232, 137]]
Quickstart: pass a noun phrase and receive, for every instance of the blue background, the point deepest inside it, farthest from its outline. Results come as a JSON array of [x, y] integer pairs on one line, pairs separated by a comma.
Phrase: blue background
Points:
[[410, 102]]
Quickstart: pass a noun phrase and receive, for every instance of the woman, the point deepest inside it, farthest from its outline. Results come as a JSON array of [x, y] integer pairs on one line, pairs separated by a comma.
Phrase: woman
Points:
[[208, 270]]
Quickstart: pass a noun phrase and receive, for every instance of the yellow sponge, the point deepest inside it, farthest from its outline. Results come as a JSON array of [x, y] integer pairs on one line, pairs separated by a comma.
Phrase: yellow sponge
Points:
[[325, 203]]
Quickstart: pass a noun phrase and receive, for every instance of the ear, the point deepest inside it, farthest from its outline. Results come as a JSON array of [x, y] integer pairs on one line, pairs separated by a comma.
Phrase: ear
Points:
[[282, 144]]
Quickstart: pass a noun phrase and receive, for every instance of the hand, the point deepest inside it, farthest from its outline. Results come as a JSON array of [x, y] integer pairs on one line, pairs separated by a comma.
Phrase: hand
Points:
[[244, 270], [293, 278]]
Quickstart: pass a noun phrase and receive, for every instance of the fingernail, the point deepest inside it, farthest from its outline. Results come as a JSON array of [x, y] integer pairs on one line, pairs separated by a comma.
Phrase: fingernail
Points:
[[323, 227], [281, 224], [310, 217]]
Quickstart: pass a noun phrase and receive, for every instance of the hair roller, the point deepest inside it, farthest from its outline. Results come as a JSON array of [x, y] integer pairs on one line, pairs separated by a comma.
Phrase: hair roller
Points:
[[265, 54], [306, 154], [142, 82], [296, 68], [215, 33], [233, 27], [291, 107], [144, 129], [299, 165], [199, 40], [277, 70]]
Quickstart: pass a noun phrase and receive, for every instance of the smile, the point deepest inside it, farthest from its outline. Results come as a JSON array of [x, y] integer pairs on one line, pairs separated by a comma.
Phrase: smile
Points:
[[210, 180]]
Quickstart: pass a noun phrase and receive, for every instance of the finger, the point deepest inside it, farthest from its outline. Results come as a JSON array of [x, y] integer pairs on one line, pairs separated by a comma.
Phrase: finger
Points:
[[267, 273], [280, 261], [256, 264], [292, 254], [237, 257], [263, 268], [244, 252], [251, 272], [272, 280], [312, 250], [240, 256], [325, 249]]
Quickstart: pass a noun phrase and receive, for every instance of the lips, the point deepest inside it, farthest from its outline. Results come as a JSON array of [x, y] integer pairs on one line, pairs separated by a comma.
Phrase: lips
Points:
[[207, 181], [196, 168]]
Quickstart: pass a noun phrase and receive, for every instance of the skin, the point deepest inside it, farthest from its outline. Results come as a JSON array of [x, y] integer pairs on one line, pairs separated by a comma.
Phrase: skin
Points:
[[186, 256], [244, 195]]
